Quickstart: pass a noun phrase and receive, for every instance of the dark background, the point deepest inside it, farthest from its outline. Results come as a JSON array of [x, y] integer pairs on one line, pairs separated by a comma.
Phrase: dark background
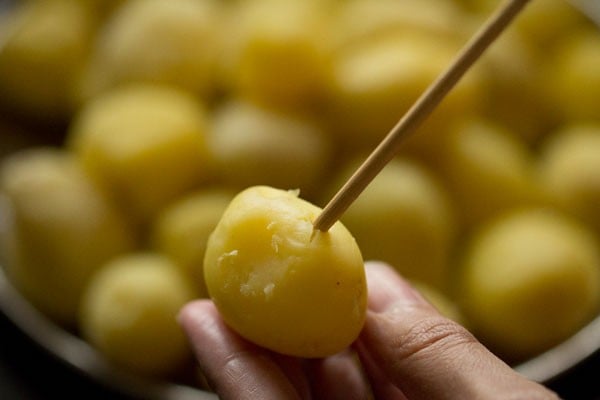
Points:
[[28, 372]]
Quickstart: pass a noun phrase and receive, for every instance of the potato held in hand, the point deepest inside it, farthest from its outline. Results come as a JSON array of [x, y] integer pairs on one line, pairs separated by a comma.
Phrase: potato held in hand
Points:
[[279, 283]]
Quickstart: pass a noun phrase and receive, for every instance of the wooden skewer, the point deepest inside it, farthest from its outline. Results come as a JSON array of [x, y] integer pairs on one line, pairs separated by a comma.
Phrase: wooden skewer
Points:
[[424, 105]]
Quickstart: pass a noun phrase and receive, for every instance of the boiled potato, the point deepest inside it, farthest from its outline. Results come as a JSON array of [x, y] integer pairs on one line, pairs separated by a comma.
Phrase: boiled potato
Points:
[[182, 230], [488, 170], [570, 170], [541, 22], [170, 42], [43, 45], [129, 311], [275, 52], [144, 144], [377, 81], [281, 284], [572, 78], [253, 145], [60, 230], [359, 20], [530, 280], [405, 217], [514, 82]]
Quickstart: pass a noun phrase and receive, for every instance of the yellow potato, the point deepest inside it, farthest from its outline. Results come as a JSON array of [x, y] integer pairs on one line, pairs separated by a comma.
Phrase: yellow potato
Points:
[[171, 42], [129, 311], [60, 230], [530, 280], [144, 144], [253, 145], [514, 87], [275, 52], [43, 45], [572, 79], [541, 22], [376, 82], [182, 230], [358, 20], [570, 170], [488, 170], [279, 283], [405, 217]]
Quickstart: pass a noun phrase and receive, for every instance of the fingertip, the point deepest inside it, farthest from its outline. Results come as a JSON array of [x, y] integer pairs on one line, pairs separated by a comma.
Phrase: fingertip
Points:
[[195, 313]]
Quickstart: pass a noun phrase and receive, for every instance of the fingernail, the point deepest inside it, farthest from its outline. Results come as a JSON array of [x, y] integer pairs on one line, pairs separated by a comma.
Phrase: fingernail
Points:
[[388, 290]]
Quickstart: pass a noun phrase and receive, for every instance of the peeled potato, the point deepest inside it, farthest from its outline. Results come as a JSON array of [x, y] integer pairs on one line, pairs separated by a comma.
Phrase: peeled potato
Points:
[[168, 42], [405, 217], [358, 20], [572, 77], [377, 81], [488, 170], [281, 284], [42, 48], [543, 23], [129, 311], [182, 230], [253, 145], [540, 23], [530, 280], [144, 144], [514, 87], [275, 52], [570, 170], [60, 230]]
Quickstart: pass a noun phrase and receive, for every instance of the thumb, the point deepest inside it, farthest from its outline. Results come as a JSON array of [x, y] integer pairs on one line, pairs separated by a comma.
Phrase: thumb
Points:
[[428, 356]]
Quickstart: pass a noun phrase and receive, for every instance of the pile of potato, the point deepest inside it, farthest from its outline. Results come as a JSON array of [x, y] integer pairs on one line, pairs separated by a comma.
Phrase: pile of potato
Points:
[[171, 107]]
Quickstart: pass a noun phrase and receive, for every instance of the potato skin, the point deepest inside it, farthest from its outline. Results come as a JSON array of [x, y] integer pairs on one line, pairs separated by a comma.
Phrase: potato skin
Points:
[[279, 283]]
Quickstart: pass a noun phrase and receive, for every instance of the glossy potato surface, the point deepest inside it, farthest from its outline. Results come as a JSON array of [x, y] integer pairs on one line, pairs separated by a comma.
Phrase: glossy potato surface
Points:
[[279, 283]]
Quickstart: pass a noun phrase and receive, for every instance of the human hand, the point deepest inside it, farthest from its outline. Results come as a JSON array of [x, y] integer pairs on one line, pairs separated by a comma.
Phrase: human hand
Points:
[[407, 350]]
